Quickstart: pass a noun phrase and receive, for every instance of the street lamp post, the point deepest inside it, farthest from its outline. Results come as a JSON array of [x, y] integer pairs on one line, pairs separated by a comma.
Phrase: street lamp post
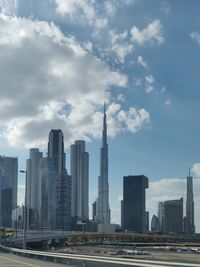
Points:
[[25, 211]]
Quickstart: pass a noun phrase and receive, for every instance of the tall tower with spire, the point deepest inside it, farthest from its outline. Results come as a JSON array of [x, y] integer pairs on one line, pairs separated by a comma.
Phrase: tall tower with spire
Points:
[[103, 209], [190, 228]]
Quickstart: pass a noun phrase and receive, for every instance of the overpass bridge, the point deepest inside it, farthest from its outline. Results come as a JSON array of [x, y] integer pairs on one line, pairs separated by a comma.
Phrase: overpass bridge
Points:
[[45, 239]]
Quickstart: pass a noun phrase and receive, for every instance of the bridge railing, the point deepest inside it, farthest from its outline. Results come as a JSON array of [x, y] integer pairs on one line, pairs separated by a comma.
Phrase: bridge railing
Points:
[[85, 260]]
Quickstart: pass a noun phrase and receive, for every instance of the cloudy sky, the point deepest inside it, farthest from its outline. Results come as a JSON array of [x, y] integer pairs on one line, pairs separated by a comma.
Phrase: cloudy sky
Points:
[[59, 61]]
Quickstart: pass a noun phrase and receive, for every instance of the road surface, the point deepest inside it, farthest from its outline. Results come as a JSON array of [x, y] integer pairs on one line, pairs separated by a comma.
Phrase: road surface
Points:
[[10, 260]]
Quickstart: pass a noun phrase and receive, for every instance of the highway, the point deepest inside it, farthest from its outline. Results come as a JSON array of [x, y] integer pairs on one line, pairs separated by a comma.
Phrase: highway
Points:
[[78, 260]]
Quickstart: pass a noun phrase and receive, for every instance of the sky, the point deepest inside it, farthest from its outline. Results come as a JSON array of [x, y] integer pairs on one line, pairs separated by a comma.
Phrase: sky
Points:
[[61, 59]]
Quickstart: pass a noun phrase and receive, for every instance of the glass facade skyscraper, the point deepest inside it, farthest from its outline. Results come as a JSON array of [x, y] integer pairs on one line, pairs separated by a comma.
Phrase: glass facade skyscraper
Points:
[[56, 149], [80, 180], [134, 198], [47, 193], [190, 227], [32, 168]]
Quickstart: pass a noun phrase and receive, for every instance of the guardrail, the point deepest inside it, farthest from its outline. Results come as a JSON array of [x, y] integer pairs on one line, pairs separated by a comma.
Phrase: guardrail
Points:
[[84, 259]]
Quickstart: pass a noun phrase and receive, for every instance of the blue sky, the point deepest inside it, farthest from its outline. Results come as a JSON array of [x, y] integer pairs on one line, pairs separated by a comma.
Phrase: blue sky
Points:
[[59, 60]]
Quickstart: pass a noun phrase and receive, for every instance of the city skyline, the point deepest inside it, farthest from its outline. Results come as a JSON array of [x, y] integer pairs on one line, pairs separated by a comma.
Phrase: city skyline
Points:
[[61, 59]]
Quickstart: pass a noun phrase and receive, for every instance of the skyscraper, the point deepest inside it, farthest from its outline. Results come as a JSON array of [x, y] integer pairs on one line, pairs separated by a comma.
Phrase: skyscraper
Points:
[[56, 149], [134, 202], [47, 193], [161, 215], [5, 202], [9, 169], [94, 210], [173, 216], [32, 167], [103, 209], [190, 228], [80, 180], [155, 224], [63, 201], [122, 214], [61, 186]]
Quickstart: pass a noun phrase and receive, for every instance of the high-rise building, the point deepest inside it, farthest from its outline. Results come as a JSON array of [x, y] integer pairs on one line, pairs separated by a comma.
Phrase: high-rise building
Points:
[[173, 216], [62, 181], [5, 202], [103, 209], [147, 221], [190, 228], [63, 201], [18, 217], [9, 169], [47, 193], [56, 149], [80, 180], [32, 168], [94, 210], [161, 215], [122, 214], [134, 202], [155, 224]]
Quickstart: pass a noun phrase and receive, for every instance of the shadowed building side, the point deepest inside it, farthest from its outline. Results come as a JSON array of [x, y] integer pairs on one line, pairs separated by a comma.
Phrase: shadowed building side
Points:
[[47, 193], [63, 202], [173, 216], [56, 149], [190, 227], [134, 203]]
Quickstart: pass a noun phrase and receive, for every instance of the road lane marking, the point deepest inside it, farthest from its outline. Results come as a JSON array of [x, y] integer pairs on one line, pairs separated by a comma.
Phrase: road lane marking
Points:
[[21, 262], [8, 265]]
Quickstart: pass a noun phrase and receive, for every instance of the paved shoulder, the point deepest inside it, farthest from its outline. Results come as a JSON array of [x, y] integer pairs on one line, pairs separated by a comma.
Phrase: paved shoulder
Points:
[[10, 260]]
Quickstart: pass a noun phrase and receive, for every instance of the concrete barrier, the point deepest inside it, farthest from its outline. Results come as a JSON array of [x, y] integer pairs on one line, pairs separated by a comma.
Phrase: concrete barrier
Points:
[[84, 259]]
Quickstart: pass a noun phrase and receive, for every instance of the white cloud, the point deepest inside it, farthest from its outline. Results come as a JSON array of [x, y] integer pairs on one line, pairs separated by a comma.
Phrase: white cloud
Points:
[[110, 8], [137, 82], [121, 98], [82, 11], [167, 102], [119, 46], [129, 2], [149, 79], [88, 46], [152, 33], [196, 169], [149, 87], [165, 7], [196, 37], [133, 119], [71, 7], [8, 7], [49, 81], [163, 90], [122, 51], [116, 37], [142, 62]]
